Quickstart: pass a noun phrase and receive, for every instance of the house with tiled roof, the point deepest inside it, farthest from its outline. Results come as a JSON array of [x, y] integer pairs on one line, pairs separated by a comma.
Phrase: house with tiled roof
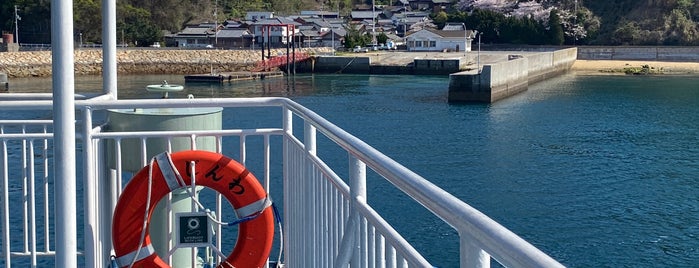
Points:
[[320, 14], [199, 35], [364, 15], [276, 31], [334, 38], [234, 38]]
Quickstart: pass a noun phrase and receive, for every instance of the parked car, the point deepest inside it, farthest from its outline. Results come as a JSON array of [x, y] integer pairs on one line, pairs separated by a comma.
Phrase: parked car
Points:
[[359, 49]]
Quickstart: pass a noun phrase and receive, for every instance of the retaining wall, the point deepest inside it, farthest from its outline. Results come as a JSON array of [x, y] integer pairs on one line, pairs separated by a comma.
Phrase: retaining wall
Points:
[[639, 53], [335, 64], [141, 61], [436, 66], [506, 78], [363, 65]]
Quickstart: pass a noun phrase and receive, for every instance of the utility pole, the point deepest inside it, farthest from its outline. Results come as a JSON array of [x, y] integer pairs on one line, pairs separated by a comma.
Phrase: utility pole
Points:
[[17, 18], [373, 23], [479, 52], [216, 22], [405, 11], [575, 23]]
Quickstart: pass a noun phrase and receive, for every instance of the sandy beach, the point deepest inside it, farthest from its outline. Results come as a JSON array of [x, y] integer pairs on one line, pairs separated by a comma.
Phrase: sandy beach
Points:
[[618, 66]]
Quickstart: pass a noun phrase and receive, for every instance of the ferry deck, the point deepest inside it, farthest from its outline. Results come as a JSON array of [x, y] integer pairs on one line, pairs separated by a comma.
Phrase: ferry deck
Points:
[[71, 167]]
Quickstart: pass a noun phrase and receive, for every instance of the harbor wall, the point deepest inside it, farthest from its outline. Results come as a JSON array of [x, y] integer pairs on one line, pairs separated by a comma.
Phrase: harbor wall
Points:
[[645, 53], [436, 66], [506, 78], [335, 64], [141, 61], [363, 65]]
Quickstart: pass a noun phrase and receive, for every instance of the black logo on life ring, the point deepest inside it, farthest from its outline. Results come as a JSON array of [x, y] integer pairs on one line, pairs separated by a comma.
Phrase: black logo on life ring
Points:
[[234, 185]]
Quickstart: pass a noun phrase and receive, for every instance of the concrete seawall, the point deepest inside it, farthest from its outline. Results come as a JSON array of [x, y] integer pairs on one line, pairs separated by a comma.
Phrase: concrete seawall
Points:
[[506, 78], [649, 53], [141, 61], [336, 64], [365, 65]]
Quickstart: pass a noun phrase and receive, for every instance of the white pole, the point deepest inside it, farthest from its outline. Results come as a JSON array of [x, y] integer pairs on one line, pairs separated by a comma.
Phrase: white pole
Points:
[[63, 67], [479, 53], [109, 40], [93, 254], [465, 38], [373, 23]]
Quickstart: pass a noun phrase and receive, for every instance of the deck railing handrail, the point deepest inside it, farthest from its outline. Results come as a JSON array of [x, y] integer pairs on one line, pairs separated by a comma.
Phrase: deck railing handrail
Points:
[[480, 236]]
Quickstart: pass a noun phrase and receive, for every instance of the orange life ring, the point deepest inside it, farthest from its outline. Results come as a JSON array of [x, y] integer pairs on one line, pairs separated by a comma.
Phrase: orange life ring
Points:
[[213, 170]]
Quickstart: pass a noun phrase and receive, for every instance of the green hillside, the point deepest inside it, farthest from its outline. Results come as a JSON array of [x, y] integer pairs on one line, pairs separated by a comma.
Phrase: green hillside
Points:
[[618, 22], [646, 22]]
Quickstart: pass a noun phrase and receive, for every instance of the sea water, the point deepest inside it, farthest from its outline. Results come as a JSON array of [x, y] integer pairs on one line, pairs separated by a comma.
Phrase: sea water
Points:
[[593, 170]]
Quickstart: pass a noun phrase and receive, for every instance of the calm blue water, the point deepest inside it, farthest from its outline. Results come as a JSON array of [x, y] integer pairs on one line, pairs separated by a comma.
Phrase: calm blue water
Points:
[[593, 170]]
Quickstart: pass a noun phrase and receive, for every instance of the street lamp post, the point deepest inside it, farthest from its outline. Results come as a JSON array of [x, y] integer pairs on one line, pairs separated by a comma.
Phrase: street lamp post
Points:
[[465, 38], [479, 52]]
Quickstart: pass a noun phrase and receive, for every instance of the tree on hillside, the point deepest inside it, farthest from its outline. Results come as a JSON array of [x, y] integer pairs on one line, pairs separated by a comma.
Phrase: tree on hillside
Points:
[[173, 15], [555, 28], [87, 14], [440, 19], [679, 29], [381, 38], [238, 9], [354, 37], [628, 33], [137, 27]]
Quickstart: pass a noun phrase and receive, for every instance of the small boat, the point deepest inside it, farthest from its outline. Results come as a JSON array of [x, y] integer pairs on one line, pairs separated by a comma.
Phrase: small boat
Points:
[[165, 88]]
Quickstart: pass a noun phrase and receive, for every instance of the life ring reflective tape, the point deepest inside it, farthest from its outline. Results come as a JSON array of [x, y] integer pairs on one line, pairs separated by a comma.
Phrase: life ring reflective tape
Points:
[[213, 170]]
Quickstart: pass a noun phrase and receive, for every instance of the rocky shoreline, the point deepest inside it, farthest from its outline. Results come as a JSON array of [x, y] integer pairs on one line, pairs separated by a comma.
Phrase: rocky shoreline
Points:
[[141, 61]]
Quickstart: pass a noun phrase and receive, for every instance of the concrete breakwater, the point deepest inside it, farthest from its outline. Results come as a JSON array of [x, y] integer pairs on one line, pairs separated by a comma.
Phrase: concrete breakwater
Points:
[[388, 63], [142, 61], [647, 53], [506, 78]]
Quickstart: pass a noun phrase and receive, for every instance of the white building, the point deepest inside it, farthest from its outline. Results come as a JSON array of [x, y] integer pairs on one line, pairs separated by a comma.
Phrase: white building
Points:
[[258, 15], [438, 40], [277, 31]]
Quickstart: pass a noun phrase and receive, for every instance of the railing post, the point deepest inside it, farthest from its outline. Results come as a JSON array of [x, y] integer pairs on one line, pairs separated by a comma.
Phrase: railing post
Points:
[[357, 180], [349, 252], [91, 204], [286, 184], [309, 143], [309, 138], [471, 254]]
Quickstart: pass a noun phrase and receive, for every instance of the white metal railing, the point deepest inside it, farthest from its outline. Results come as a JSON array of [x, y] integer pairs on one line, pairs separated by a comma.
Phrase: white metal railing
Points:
[[327, 220], [28, 142]]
